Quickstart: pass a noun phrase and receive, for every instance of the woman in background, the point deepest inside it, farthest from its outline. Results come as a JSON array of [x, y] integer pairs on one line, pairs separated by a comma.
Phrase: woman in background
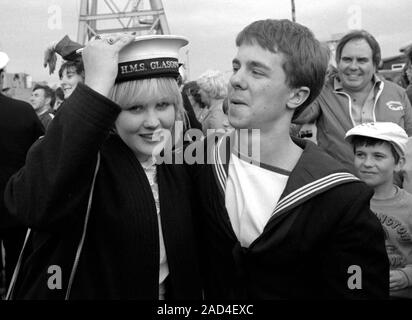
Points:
[[71, 71]]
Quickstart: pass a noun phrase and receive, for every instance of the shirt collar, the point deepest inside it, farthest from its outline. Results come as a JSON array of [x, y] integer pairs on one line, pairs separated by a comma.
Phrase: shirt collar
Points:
[[150, 163], [44, 111]]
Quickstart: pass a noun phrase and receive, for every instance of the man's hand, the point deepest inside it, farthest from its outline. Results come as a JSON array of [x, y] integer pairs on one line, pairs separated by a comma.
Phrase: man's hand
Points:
[[100, 58], [397, 280]]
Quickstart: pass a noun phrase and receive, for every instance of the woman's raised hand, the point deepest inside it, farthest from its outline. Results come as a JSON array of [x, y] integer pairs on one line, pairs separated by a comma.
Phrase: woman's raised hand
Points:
[[100, 58]]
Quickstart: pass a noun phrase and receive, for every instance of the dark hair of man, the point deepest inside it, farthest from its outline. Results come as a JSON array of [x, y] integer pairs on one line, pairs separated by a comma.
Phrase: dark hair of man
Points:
[[76, 65], [48, 92], [359, 35], [305, 60], [361, 141]]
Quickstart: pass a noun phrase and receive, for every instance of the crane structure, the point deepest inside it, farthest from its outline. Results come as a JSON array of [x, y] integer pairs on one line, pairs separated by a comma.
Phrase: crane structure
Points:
[[98, 17]]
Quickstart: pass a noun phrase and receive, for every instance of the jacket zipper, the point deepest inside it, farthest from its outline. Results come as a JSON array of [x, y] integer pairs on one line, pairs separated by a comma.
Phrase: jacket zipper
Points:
[[350, 105]]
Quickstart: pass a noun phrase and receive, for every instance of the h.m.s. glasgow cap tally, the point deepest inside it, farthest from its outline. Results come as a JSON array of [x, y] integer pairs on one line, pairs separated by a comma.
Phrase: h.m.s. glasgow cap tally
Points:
[[150, 56]]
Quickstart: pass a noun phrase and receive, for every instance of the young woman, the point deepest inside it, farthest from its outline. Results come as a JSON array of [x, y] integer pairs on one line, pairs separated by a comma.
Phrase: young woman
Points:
[[107, 221], [71, 73]]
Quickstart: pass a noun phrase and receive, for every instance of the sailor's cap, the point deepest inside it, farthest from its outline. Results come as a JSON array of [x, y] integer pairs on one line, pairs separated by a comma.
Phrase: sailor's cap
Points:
[[386, 131], [150, 56]]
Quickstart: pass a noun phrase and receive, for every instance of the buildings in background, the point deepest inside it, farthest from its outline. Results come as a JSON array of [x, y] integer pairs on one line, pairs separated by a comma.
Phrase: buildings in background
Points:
[[392, 67], [18, 85]]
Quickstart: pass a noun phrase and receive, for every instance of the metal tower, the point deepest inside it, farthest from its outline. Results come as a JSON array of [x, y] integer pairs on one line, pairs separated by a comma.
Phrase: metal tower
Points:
[[106, 16]]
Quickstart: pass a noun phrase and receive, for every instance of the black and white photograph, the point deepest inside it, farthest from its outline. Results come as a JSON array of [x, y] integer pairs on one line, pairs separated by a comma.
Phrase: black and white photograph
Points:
[[206, 157]]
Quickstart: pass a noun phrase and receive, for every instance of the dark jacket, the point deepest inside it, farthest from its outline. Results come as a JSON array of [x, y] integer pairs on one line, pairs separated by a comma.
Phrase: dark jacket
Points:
[[19, 129], [120, 257], [193, 122], [321, 226], [46, 118]]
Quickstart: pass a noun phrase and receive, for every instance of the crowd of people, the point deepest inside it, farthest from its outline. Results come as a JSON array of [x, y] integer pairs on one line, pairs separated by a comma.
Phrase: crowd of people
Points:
[[91, 210]]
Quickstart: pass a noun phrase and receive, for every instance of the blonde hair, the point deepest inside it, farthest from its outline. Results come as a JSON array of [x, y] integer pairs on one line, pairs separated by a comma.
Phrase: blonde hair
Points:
[[131, 93], [214, 83]]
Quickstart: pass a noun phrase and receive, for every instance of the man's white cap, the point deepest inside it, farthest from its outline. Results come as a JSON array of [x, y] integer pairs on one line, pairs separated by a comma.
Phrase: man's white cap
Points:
[[386, 131], [4, 59], [150, 56]]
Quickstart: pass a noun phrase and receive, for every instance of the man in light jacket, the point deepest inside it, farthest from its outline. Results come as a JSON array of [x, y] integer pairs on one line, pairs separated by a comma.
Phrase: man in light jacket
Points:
[[355, 95]]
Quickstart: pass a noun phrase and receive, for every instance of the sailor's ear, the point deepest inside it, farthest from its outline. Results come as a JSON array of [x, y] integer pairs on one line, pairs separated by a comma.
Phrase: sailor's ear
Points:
[[297, 97]]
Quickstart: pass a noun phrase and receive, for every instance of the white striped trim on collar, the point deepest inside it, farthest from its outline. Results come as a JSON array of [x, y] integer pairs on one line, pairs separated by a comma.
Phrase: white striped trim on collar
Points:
[[299, 195], [313, 187], [220, 170]]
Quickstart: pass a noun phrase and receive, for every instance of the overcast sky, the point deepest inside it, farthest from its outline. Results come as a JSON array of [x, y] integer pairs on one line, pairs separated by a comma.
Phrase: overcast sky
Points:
[[27, 26]]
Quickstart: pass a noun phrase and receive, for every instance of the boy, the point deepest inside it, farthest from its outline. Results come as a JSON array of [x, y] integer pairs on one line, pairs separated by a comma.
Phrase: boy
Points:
[[380, 151]]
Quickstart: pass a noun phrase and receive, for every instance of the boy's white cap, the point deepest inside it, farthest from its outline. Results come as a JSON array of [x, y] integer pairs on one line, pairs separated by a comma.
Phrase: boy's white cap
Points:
[[4, 59], [150, 56], [386, 131]]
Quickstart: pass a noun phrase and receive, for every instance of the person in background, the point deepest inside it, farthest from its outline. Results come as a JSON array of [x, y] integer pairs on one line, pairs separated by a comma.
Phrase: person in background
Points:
[[379, 150], [41, 99], [355, 95], [213, 90], [71, 72], [19, 129]]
